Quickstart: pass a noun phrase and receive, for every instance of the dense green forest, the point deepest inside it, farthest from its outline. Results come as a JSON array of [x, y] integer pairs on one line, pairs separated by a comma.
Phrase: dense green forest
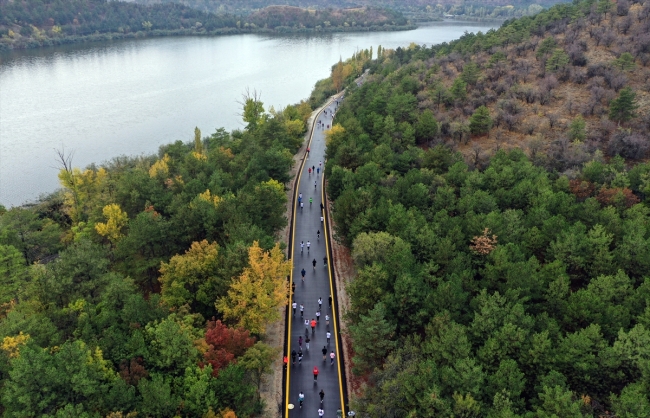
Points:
[[502, 270], [122, 293], [34, 23]]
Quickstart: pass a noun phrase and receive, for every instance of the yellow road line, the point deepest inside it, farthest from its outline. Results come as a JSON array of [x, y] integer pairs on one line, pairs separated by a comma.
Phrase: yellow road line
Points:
[[329, 271]]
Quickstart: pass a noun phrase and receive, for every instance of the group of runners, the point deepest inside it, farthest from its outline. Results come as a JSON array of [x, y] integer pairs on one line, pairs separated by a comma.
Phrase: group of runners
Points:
[[298, 304]]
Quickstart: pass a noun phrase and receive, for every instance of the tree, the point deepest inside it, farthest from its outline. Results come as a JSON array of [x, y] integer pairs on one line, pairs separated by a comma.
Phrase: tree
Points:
[[12, 273], [157, 397], [577, 129], [557, 61], [34, 237], [370, 352], [458, 89], [426, 127], [470, 73], [116, 219], [193, 278], [254, 297], [172, 344], [253, 109], [42, 381], [225, 344], [337, 75], [480, 122], [258, 360], [632, 402], [624, 106], [625, 62]]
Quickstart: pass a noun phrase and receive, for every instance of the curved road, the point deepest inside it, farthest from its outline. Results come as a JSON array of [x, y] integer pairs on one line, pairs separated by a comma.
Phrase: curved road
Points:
[[317, 283]]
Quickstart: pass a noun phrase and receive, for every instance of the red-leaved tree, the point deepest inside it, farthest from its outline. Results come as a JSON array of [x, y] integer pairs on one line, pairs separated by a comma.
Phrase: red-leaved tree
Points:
[[225, 344]]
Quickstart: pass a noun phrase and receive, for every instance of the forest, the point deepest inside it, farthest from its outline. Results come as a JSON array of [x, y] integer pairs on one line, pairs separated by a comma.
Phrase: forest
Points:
[[493, 192], [35, 23], [409, 7], [122, 294]]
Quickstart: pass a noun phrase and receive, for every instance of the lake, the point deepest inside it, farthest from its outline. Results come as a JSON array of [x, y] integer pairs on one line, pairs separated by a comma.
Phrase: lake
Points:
[[129, 97]]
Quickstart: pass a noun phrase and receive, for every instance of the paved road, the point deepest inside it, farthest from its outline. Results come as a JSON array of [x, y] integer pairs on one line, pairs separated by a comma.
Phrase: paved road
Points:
[[317, 284]]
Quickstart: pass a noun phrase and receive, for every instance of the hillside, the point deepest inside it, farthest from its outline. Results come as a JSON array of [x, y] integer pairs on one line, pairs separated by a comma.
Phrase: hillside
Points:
[[32, 23], [493, 193], [540, 79], [287, 16], [248, 6]]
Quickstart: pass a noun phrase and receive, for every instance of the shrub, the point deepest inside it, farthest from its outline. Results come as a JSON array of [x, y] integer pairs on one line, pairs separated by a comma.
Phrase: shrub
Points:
[[628, 144]]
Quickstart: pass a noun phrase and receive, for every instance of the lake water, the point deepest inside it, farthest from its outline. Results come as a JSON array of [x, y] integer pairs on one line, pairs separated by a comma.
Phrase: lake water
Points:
[[130, 97]]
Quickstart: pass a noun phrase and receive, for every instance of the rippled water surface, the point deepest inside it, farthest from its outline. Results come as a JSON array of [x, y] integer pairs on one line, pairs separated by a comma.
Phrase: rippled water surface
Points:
[[129, 97]]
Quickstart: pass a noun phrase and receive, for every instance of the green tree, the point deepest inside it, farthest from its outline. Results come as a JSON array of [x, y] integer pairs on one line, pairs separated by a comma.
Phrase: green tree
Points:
[[470, 73], [43, 381], [625, 62], [426, 127], [193, 278], [369, 352], [12, 273], [557, 61], [558, 402], [34, 237], [257, 360], [458, 89], [624, 107], [480, 122], [172, 345], [577, 129], [157, 399], [633, 401], [253, 109]]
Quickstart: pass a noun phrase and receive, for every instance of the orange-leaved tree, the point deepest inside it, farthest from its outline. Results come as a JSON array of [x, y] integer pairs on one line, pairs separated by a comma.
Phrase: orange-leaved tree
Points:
[[225, 344], [255, 296]]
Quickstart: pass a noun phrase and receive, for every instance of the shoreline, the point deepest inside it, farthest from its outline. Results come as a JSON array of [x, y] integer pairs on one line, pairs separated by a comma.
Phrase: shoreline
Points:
[[116, 36]]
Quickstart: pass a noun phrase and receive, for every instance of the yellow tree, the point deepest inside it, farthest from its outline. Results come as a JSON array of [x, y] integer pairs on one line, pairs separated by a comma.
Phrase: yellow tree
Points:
[[335, 136], [116, 218], [337, 76], [11, 345], [82, 188], [255, 296], [192, 278], [160, 167]]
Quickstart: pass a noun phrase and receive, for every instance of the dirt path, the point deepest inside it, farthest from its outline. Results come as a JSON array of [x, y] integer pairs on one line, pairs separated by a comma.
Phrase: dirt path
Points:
[[271, 388], [344, 272]]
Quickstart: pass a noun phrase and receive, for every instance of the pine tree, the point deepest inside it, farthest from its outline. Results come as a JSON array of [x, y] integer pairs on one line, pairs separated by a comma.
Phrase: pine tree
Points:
[[373, 340], [624, 106], [558, 60], [480, 122]]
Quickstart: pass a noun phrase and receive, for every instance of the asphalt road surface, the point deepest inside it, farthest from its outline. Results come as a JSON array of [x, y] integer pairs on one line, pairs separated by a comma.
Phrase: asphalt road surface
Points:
[[317, 284]]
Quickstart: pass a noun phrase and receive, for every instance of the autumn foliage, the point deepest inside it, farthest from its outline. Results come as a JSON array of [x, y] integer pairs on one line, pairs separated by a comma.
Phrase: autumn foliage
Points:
[[255, 296], [582, 189], [225, 344], [617, 197], [484, 244]]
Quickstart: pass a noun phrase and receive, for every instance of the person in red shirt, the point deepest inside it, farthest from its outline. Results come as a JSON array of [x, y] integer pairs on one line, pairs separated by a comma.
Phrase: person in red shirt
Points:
[[313, 325], [315, 373]]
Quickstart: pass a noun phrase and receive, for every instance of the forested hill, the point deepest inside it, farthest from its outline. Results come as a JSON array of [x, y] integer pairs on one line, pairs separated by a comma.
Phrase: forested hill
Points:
[[510, 279], [565, 85], [248, 6], [288, 17], [32, 23]]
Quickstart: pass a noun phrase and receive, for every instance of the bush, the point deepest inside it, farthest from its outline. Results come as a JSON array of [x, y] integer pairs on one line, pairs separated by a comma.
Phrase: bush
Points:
[[628, 144]]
